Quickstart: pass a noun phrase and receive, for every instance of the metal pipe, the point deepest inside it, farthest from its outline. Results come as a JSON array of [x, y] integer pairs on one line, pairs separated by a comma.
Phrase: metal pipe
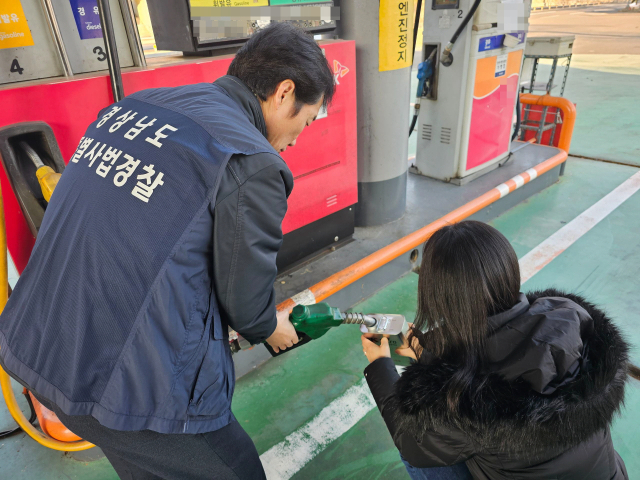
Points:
[[111, 49], [133, 34], [353, 273], [31, 153], [524, 144], [57, 35], [568, 109], [353, 318], [358, 270]]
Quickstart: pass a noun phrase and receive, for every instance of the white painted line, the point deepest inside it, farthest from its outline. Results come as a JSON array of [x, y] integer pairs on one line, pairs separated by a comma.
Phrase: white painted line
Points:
[[543, 254], [285, 459], [306, 297], [503, 188]]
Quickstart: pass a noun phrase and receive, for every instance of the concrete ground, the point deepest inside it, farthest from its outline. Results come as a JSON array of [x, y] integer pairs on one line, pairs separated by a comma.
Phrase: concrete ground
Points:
[[603, 77], [599, 29]]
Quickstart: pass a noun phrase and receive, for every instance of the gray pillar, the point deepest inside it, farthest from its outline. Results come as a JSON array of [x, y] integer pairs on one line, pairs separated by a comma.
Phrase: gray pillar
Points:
[[383, 120]]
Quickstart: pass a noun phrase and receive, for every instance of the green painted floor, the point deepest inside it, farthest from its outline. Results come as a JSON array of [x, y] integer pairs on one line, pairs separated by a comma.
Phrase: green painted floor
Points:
[[602, 265], [286, 393], [605, 91]]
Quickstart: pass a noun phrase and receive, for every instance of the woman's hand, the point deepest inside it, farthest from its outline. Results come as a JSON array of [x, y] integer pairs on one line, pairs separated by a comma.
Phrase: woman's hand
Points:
[[373, 351], [406, 351]]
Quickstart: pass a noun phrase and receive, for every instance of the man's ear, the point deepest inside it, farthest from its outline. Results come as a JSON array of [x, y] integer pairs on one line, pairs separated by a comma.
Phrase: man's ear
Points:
[[285, 88]]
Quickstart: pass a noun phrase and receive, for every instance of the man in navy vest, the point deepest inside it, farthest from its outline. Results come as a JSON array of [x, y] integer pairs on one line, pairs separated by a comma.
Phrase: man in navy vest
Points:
[[163, 232]]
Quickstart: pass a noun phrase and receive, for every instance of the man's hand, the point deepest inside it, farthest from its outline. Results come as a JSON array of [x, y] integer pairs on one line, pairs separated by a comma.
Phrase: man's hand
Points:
[[284, 335]]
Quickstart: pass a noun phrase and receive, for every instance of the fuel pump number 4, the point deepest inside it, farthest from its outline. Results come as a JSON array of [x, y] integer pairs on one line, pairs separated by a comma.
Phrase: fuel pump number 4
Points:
[[15, 67]]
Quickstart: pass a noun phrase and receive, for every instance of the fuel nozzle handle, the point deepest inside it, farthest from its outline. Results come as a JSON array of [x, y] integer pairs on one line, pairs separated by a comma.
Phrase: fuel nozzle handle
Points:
[[47, 176]]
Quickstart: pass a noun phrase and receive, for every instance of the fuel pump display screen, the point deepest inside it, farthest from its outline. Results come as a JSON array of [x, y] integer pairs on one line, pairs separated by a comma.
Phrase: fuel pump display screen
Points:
[[444, 4]]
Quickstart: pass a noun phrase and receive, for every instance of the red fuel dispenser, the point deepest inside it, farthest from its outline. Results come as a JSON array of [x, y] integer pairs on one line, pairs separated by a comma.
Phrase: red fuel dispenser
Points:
[[323, 162]]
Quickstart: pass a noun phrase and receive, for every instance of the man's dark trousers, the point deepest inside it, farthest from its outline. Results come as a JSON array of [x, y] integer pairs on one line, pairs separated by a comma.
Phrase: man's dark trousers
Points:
[[227, 453]]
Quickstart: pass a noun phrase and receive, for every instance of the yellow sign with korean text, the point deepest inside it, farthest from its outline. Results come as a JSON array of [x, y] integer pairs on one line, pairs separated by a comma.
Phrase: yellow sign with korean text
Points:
[[14, 29], [395, 34], [229, 3]]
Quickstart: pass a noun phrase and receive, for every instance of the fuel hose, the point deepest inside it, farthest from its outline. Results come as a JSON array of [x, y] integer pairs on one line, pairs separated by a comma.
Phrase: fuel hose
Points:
[[447, 58]]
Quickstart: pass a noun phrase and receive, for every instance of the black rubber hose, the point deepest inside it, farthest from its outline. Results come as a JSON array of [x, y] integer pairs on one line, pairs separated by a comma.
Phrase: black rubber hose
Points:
[[413, 123], [517, 129], [32, 418], [416, 24], [462, 26], [446, 58]]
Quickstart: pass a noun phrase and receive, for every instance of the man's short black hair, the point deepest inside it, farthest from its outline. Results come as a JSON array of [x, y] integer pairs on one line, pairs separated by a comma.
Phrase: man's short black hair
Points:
[[280, 52]]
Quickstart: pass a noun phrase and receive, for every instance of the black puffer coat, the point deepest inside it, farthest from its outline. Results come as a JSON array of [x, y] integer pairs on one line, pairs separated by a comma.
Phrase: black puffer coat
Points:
[[540, 410]]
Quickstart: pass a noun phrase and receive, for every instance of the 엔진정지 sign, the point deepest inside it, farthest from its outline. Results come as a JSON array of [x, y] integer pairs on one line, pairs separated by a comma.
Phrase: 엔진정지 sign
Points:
[[14, 29], [395, 35]]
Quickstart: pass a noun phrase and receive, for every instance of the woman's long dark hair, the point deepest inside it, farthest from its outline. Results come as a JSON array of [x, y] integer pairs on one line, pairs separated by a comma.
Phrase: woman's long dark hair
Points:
[[469, 272]]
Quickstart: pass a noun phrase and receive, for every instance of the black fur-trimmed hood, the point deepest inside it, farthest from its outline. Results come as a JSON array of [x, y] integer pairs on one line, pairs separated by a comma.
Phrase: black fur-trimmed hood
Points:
[[556, 377]]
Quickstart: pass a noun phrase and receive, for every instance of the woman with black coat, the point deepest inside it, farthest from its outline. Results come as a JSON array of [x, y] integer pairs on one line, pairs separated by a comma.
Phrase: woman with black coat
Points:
[[505, 385]]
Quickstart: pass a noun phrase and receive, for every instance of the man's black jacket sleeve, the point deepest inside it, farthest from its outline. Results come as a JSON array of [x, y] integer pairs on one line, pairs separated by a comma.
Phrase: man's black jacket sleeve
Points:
[[250, 205], [436, 448]]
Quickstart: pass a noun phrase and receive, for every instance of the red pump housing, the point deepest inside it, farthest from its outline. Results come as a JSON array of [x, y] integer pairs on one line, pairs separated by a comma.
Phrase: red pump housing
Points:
[[323, 162]]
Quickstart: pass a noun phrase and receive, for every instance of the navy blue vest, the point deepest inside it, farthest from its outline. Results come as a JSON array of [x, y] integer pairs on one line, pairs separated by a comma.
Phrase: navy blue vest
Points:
[[115, 315]]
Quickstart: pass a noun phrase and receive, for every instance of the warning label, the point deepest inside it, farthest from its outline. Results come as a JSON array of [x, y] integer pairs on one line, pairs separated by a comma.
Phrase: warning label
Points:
[[501, 65], [14, 29], [395, 34]]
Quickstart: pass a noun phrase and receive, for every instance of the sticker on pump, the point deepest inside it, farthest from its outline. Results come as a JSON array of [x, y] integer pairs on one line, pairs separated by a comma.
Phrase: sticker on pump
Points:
[[14, 29], [501, 65], [87, 18], [444, 21], [395, 34], [497, 41]]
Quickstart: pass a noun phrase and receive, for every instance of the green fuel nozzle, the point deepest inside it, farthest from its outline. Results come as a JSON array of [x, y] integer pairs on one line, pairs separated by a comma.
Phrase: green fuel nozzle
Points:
[[316, 320], [313, 321]]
